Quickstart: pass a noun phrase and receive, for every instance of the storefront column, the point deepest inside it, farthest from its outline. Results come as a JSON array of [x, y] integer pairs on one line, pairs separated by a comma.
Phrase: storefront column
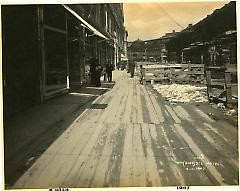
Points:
[[41, 52], [66, 24]]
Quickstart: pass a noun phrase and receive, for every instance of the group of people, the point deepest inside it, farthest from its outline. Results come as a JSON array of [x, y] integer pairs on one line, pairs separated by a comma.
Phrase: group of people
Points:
[[96, 71]]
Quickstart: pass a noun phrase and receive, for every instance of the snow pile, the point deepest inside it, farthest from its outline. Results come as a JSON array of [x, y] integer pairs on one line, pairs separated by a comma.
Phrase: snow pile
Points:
[[182, 93]]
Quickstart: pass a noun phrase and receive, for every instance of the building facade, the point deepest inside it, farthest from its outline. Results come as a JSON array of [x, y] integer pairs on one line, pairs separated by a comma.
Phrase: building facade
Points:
[[153, 50], [47, 48], [210, 41]]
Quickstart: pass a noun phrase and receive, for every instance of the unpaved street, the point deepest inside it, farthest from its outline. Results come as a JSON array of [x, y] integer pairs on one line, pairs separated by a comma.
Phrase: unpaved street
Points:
[[131, 136]]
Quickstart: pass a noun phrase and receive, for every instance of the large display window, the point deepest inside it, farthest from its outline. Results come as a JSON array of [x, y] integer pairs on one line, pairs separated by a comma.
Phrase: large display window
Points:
[[55, 60], [55, 49]]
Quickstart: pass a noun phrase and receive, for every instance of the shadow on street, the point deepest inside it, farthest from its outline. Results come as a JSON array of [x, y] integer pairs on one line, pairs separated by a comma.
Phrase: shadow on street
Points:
[[32, 131]]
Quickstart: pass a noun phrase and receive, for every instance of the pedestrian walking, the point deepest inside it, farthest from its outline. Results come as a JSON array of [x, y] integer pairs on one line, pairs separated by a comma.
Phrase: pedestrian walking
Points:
[[93, 71], [142, 74], [132, 68], [109, 69], [98, 75], [119, 65]]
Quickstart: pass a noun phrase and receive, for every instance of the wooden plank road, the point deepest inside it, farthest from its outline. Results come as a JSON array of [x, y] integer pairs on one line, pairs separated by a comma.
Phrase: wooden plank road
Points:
[[139, 139]]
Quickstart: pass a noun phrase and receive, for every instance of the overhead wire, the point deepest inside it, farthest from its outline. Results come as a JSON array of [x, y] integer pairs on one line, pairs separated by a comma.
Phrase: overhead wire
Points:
[[170, 17]]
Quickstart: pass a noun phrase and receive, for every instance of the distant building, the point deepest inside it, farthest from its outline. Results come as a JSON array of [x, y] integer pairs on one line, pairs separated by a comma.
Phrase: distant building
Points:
[[199, 43], [212, 41], [151, 50]]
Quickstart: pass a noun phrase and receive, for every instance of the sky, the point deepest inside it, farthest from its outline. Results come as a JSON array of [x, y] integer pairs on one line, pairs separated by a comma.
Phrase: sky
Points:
[[152, 20]]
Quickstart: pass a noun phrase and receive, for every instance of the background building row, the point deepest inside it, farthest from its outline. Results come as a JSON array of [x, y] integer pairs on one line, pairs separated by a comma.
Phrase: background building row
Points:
[[151, 50], [210, 41]]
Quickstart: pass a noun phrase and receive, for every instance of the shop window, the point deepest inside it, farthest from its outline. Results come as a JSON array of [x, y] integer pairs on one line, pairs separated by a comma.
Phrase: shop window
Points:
[[55, 60]]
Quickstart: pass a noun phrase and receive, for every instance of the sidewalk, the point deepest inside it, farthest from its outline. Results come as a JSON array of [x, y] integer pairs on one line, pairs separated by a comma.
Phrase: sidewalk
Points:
[[131, 136], [28, 135]]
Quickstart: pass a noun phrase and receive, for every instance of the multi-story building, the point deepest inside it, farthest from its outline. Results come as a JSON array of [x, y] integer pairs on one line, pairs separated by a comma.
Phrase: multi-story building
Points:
[[135, 50], [210, 40], [105, 41], [47, 48], [150, 50]]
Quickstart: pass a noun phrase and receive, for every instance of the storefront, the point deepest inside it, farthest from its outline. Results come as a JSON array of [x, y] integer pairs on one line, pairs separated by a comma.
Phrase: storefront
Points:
[[54, 49], [92, 45], [46, 51]]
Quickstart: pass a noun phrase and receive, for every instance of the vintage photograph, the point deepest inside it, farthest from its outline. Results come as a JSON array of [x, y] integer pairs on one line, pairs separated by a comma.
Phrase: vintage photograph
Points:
[[141, 94]]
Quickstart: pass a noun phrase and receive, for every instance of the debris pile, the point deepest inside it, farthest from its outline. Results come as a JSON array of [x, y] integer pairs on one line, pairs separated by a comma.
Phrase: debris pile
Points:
[[230, 111], [182, 93]]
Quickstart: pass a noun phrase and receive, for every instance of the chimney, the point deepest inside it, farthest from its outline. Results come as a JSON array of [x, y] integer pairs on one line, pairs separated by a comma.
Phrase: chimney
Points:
[[189, 25], [173, 31]]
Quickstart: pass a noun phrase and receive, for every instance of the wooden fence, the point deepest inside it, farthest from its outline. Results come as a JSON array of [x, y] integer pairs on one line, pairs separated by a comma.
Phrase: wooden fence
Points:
[[221, 81], [223, 87], [175, 73]]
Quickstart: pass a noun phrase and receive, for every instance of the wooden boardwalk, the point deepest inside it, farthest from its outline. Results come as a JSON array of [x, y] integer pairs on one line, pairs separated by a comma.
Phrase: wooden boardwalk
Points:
[[132, 137]]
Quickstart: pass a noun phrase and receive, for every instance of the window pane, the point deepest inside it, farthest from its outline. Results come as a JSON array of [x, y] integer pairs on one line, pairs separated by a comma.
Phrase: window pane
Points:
[[55, 60]]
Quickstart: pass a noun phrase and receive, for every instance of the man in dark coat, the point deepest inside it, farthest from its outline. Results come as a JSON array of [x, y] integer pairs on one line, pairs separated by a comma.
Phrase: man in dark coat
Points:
[[109, 69], [98, 75], [132, 68], [93, 71]]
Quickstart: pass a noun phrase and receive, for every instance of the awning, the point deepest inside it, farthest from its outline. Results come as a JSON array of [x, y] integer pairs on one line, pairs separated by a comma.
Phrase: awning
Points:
[[84, 22]]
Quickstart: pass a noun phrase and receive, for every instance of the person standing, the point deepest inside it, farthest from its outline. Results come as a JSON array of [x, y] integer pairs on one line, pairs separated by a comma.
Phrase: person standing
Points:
[[109, 69], [98, 75], [93, 71], [142, 74], [119, 65], [104, 73], [132, 68]]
